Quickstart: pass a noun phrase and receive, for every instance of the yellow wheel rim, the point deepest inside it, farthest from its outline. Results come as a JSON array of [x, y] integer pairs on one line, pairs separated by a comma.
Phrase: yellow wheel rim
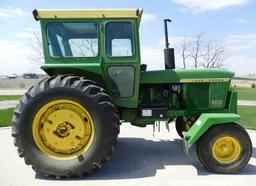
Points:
[[226, 150], [63, 129]]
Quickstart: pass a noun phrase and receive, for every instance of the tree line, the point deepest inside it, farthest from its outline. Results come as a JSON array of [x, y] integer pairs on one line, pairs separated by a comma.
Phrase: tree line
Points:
[[196, 52]]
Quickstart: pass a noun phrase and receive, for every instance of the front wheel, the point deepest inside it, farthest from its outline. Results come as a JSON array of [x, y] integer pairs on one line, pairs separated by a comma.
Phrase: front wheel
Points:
[[224, 148]]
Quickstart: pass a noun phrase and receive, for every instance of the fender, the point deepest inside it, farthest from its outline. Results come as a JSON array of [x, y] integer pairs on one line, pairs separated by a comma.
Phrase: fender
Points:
[[203, 123]]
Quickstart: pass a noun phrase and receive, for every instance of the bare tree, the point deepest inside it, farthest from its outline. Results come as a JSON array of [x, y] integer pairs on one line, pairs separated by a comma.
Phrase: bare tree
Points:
[[201, 53], [185, 45], [37, 55], [84, 48], [196, 50], [79, 47], [91, 43], [213, 56]]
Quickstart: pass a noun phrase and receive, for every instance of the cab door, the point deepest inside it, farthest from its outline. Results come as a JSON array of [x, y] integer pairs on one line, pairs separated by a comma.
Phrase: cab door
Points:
[[121, 61]]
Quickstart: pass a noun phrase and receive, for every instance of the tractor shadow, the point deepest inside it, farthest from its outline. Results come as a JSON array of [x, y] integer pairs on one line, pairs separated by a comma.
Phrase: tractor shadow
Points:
[[138, 158], [254, 152]]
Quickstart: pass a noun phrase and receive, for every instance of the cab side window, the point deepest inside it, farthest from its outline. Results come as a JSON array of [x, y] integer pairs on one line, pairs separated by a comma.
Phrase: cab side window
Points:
[[119, 39], [72, 39]]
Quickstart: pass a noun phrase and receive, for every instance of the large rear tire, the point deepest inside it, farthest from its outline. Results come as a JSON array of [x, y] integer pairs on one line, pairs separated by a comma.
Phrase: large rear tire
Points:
[[65, 126], [224, 148]]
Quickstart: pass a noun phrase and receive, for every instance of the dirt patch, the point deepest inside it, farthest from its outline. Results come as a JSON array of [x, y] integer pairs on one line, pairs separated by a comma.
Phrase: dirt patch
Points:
[[243, 83]]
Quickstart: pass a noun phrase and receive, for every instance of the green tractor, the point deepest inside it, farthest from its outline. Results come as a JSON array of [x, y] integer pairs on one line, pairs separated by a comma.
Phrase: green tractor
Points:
[[68, 124]]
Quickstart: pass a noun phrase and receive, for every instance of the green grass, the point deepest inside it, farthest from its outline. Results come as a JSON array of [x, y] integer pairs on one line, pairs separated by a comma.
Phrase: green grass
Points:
[[248, 114], [246, 93], [6, 117], [11, 97]]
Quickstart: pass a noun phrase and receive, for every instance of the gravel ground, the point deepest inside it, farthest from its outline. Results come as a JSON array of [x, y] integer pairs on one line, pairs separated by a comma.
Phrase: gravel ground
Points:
[[139, 159], [18, 83], [246, 103], [12, 91], [8, 104]]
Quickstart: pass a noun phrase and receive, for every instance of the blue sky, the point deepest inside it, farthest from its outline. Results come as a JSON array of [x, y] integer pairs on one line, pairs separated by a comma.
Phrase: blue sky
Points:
[[231, 22]]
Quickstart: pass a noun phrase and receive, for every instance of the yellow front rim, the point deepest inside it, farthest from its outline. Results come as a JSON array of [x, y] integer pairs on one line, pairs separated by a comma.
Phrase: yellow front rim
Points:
[[63, 129], [226, 150]]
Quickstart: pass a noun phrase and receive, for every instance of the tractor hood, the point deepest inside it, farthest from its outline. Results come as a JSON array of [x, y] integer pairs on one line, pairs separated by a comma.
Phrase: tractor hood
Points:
[[186, 76]]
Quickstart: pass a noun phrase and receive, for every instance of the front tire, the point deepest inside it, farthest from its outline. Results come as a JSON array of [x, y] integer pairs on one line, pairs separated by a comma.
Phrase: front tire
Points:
[[65, 126], [224, 148]]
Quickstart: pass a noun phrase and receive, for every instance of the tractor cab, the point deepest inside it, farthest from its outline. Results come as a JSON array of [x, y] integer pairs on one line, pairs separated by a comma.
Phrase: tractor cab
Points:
[[102, 45]]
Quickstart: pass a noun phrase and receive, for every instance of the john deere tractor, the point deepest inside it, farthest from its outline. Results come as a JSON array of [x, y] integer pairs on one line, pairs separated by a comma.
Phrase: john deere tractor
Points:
[[68, 123]]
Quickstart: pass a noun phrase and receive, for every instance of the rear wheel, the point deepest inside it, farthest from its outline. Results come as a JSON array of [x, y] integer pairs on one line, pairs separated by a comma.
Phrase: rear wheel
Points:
[[65, 126], [224, 148]]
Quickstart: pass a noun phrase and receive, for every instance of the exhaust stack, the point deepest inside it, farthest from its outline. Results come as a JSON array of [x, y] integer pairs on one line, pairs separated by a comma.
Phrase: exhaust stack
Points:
[[169, 57]]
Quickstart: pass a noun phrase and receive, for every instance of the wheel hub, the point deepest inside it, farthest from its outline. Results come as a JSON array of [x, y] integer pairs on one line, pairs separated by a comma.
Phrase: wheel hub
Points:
[[226, 150], [63, 128]]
